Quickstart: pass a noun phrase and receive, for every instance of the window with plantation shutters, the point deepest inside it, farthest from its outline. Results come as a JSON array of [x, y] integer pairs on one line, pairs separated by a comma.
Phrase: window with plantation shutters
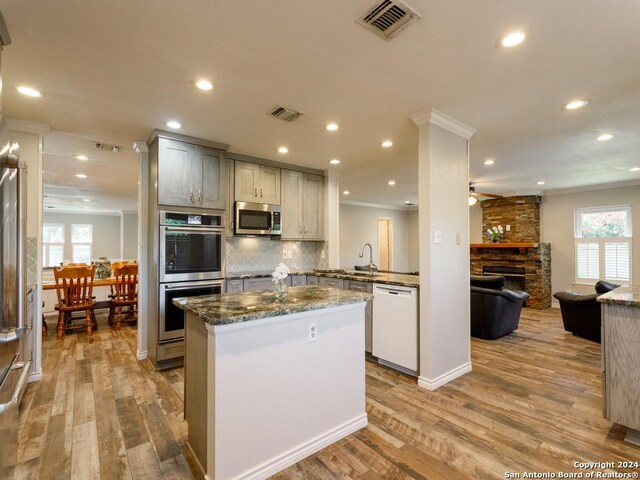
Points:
[[603, 244]]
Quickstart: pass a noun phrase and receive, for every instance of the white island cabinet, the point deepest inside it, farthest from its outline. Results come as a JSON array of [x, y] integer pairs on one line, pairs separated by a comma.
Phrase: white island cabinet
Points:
[[269, 383]]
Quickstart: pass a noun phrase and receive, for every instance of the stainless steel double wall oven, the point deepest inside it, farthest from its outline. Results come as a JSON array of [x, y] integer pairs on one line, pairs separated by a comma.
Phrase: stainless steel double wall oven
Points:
[[191, 263]]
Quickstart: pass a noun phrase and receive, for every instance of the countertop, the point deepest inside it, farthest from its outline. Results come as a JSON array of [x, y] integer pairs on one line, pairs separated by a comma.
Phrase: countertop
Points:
[[627, 296], [228, 308], [378, 277]]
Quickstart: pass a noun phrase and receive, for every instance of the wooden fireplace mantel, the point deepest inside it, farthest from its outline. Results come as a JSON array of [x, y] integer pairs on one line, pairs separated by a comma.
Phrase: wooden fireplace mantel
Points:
[[520, 246]]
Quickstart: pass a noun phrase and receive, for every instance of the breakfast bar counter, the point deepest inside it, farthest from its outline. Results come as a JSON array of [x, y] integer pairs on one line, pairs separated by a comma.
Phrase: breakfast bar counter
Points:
[[268, 382]]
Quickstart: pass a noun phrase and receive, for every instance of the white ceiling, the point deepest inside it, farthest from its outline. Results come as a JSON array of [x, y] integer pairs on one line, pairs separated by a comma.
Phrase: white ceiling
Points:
[[114, 71]]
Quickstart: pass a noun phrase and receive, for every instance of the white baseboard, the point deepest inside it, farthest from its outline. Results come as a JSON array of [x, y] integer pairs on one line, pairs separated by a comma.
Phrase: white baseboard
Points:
[[35, 377], [142, 355], [432, 384], [302, 451]]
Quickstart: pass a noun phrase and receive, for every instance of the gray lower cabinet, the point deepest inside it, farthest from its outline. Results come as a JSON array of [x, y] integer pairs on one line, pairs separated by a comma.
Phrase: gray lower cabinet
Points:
[[331, 282], [298, 280], [235, 286], [257, 284], [364, 287], [312, 280]]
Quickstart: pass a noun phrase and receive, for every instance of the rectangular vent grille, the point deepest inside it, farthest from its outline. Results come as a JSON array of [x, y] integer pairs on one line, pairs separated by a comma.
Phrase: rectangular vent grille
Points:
[[284, 113], [388, 18]]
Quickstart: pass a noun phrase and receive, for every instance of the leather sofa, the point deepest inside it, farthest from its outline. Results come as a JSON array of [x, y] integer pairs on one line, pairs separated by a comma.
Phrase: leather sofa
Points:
[[581, 313], [495, 311]]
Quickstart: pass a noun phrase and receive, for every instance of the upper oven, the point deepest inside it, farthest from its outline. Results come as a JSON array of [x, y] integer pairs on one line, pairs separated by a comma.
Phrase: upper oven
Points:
[[257, 219], [192, 246]]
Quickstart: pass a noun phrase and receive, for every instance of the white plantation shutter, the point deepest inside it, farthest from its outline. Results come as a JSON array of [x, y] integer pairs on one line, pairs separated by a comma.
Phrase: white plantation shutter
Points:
[[587, 260], [617, 260]]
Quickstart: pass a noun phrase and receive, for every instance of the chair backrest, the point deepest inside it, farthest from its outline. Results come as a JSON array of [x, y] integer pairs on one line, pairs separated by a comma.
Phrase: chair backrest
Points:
[[126, 286], [74, 284]]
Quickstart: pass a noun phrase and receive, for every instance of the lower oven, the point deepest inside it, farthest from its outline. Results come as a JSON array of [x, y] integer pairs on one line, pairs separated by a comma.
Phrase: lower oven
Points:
[[171, 317]]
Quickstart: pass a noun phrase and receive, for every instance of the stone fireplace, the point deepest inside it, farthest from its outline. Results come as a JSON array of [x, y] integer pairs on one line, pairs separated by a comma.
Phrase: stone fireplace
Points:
[[521, 258]]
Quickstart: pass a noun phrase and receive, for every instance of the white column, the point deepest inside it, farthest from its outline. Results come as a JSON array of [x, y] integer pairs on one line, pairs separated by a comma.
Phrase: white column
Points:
[[332, 218], [443, 187], [143, 248]]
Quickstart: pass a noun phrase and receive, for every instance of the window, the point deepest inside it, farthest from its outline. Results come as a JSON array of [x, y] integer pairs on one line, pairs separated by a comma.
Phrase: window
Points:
[[81, 242], [603, 244], [52, 244]]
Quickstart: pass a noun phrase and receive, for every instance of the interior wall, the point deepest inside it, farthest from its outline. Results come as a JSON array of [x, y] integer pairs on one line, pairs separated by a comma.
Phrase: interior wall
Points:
[[475, 224], [413, 233], [557, 219], [129, 236], [106, 233], [359, 224]]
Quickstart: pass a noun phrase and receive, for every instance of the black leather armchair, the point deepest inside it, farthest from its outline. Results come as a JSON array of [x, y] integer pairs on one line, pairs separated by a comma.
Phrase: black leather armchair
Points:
[[581, 313], [495, 311]]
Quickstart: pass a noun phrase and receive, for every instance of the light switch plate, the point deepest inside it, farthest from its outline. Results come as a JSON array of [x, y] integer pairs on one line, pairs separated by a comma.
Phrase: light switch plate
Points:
[[438, 236]]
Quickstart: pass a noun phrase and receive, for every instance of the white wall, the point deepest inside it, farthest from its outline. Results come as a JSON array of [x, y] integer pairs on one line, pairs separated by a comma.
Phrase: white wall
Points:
[[413, 233], [106, 233], [129, 234], [475, 224], [557, 219], [359, 224]]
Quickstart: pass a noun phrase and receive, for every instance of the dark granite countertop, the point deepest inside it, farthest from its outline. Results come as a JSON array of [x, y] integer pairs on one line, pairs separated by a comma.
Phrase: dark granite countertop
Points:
[[627, 296], [228, 308], [378, 277]]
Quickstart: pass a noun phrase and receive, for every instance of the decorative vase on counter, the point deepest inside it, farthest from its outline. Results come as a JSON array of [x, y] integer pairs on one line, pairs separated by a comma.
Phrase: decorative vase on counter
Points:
[[495, 240], [280, 290], [103, 268]]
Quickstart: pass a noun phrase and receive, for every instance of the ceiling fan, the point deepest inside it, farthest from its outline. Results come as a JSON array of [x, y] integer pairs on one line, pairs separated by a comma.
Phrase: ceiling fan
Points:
[[475, 196]]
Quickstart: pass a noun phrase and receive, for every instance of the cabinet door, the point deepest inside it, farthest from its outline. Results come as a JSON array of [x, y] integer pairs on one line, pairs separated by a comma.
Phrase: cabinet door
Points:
[[234, 286], [292, 205], [298, 280], [331, 282], [312, 280], [209, 179], [231, 211], [257, 284], [269, 188], [246, 181], [175, 173], [313, 207]]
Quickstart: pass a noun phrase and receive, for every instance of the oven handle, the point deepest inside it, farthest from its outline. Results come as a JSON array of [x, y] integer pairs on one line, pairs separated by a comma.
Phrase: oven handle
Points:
[[195, 229], [184, 286]]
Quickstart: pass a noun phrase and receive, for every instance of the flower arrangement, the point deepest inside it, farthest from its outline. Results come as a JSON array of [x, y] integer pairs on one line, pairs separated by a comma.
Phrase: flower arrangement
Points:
[[280, 273], [496, 233], [279, 287]]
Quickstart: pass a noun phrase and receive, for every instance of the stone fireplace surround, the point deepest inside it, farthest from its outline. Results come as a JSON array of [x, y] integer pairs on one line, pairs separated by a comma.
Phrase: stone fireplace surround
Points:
[[521, 247]]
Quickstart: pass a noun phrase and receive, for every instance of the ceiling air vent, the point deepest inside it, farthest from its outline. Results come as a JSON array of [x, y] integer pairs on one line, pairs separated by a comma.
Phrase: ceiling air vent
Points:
[[284, 113], [387, 18]]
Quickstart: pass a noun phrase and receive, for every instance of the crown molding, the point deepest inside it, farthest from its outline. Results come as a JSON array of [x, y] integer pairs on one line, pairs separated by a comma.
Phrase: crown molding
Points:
[[377, 205], [140, 147], [590, 188], [28, 126], [438, 118]]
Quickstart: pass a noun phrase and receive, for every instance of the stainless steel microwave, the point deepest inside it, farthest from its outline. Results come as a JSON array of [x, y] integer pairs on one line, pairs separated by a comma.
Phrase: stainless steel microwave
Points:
[[257, 219]]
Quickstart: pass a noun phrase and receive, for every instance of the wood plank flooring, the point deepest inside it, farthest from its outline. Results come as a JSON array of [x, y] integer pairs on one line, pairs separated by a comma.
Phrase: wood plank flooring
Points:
[[532, 404]]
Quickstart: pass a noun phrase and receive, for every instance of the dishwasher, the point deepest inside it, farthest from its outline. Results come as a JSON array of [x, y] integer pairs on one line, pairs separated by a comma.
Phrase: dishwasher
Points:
[[395, 326]]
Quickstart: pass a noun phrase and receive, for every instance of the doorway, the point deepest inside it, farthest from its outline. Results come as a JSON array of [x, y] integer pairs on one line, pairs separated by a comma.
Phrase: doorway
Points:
[[385, 243]]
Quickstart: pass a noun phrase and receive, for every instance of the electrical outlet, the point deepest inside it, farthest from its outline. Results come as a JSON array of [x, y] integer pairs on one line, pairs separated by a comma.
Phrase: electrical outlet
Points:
[[508, 229], [284, 253], [438, 236], [322, 255], [313, 332]]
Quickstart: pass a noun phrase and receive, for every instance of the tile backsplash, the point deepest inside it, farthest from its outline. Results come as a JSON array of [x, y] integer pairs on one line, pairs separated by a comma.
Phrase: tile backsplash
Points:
[[32, 260], [245, 254]]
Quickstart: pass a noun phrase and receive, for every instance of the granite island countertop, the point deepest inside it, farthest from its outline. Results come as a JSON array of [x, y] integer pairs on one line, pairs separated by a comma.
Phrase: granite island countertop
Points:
[[627, 296], [399, 279], [228, 308]]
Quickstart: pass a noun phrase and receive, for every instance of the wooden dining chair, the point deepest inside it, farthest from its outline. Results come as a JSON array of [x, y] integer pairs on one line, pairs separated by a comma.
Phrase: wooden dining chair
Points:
[[125, 293], [74, 288]]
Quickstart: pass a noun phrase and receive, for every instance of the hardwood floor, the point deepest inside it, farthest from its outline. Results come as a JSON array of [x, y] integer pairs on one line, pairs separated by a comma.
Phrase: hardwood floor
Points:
[[531, 404]]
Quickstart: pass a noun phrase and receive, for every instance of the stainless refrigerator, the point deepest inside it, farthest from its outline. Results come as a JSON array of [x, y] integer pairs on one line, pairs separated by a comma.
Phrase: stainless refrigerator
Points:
[[14, 369]]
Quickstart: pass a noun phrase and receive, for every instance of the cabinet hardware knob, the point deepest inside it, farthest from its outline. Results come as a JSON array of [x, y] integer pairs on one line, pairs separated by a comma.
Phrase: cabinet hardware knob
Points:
[[199, 197], [191, 195], [260, 193], [256, 192]]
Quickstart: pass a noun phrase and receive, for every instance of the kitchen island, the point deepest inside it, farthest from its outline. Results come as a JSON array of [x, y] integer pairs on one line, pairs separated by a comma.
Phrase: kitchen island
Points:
[[268, 383], [621, 358]]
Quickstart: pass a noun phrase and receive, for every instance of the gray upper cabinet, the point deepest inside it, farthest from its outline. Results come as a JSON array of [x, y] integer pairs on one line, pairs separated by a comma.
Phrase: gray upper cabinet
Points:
[[230, 165], [190, 175], [302, 206], [257, 183]]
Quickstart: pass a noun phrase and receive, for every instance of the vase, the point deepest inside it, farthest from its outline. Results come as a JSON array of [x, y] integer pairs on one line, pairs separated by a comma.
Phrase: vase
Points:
[[280, 290], [495, 240], [103, 268]]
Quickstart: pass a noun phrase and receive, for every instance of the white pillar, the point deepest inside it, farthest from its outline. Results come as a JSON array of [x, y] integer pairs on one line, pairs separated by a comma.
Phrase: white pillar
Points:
[[443, 187], [332, 218], [143, 248]]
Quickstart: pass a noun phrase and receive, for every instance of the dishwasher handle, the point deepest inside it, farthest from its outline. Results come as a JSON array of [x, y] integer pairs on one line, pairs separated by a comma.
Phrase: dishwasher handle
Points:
[[393, 291]]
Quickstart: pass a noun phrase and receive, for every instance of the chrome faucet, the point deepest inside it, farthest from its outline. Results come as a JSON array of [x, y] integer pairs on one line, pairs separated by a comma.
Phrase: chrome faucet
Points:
[[361, 254]]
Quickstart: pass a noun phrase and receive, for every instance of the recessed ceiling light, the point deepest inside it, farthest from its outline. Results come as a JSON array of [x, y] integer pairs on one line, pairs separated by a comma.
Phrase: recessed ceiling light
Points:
[[283, 149], [29, 92], [512, 39], [173, 124], [346, 192], [387, 143], [576, 104], [204, 85], [335, 161], [86, 208], [332, 127], [86, 200], [391, 182], [634, 169], [489, 161], [540, 183], [82, 157], [81, 175], [604, 137]]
